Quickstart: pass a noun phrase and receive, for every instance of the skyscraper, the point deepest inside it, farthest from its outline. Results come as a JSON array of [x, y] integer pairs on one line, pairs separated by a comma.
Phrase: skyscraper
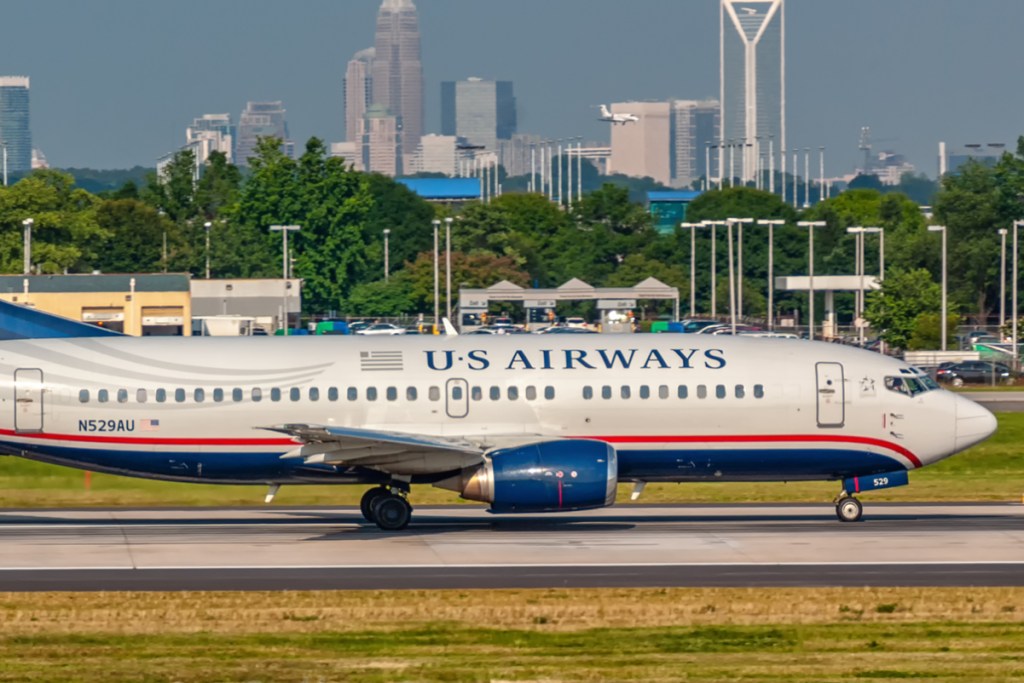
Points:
[[14, 123], [694, 127], [752, 80], [480, 111], [212, 133], [381, 136], [260, 120], [641, 148], [397, 71], [358, 90]]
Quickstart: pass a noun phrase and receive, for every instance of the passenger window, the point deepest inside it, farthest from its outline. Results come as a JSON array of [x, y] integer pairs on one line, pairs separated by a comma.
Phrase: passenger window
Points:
[[371, 393], [352, 394], [391, 393], [758, 391], [663, 391], [257, 395], [588, 393], [531, 393], [314, 393], [275, 394], [477, 393], [495, 393], [624, 391], [682, 392], [140, 396], [720, 391], [294, 394], [645, 391], [122, 395], [236, 395], [739, 391], [513, 393], [102, 395], [606, 392], [410, 394], [200, 395], [332, 393], [83, 395], [549, 393], [456, 393], [161, 395], [218, 395], [702, 391], [179, 395], [434, 394]]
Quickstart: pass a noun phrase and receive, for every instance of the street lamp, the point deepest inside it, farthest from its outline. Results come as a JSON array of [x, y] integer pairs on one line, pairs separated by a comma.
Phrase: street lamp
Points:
[[437, 285], [387, 254], [448, 267], [692, 227], [1016, 364], [714, 275], [1002, 280], [739, 253], [207, 225], [771, 265], [732, 280], [284, 230], [942, 229], [810, 225], [3, 144], [28, 245]]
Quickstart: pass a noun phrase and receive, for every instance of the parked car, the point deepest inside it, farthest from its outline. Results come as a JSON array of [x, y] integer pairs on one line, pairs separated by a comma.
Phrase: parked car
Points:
[[576, 322], [561, 329], [978, 371], [697, 324], [381, 329]]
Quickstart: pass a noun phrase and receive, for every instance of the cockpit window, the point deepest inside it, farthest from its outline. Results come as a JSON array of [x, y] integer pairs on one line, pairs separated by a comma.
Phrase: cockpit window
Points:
[[910, 385]]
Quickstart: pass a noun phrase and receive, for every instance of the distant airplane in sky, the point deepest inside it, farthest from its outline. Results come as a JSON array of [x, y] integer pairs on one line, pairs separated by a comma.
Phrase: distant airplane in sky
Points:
[[614, 119], [526, 423]]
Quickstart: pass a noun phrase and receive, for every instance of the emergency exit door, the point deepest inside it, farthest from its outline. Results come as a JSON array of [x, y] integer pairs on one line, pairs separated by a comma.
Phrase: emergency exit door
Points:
[[28, 400], [831, 395]]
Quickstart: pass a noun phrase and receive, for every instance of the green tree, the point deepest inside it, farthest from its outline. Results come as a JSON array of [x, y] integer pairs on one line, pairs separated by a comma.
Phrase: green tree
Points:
[[134, 237], [905, 309]]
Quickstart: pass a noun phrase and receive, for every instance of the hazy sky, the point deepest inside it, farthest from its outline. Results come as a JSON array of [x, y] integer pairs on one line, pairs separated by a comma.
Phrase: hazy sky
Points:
[[115, 82]]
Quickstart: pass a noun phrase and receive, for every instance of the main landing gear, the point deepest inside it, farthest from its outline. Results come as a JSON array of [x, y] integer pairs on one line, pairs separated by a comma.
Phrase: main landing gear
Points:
[[848, 508], [387, 507]]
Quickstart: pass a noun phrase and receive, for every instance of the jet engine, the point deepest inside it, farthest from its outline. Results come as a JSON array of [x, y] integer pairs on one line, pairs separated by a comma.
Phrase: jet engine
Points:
[[549, 476]]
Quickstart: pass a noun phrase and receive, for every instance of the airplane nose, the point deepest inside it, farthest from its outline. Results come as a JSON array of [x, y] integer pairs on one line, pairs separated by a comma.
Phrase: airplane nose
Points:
[[974, 423]]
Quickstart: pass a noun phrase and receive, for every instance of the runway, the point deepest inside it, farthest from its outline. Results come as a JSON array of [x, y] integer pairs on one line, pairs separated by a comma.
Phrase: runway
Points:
[[464, 547], [998, 401]]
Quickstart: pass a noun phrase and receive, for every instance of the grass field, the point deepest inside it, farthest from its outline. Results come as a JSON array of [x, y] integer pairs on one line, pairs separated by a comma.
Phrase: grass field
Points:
[[804, 635], [990, 471]]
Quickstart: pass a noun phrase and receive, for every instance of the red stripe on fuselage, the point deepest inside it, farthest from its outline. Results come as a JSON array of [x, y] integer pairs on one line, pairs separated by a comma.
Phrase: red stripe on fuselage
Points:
[[150, 441]]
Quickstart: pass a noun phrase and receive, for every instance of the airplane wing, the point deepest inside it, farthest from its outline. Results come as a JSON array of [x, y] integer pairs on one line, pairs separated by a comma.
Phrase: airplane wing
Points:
[[392, 452]]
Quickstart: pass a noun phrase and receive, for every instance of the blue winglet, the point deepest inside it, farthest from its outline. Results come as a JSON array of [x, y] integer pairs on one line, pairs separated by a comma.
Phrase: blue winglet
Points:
[[21, 322]]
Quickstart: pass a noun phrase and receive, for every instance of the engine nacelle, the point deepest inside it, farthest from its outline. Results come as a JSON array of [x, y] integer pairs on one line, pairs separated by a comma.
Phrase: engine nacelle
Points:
[[549, 476]]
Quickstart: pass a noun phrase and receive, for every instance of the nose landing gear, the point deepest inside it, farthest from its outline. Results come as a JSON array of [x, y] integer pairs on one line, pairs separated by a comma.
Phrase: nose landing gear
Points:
[[387, 507], [848, 508]]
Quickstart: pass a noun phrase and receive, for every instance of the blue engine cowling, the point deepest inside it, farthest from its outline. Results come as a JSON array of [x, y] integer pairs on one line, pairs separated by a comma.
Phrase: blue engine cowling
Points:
[[549, 476]]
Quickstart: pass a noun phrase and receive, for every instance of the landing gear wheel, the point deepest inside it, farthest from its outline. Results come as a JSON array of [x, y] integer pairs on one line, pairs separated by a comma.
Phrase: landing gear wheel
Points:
[[392, 513], [369, 498], [849, 509]]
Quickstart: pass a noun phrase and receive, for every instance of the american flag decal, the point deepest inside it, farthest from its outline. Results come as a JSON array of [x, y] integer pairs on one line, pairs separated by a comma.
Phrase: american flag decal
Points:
[[370, 361], [149, 425]]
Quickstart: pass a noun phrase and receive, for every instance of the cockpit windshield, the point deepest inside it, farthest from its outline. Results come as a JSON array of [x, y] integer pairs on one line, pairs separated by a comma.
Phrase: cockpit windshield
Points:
[[910, 382]]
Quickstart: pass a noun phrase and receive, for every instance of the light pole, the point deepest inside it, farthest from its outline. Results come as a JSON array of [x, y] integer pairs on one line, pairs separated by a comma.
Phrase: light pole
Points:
[[810, 225], [732, 280], [284, 230], [1002, 280], [437, 283], [692, 227], [942, 229], [714, 275], [771, 266], [448, 267], [1016, 363], [858, 233], [27, 223], [4, 145], [739, 263], [387, 255], [208, 225]]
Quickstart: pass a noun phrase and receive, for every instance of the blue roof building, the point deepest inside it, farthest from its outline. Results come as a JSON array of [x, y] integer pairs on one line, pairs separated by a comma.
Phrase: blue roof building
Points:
[[444, 189], [669, 207]]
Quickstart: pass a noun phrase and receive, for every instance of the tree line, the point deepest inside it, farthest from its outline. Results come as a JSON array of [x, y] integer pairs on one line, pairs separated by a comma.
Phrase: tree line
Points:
[[604, 238]]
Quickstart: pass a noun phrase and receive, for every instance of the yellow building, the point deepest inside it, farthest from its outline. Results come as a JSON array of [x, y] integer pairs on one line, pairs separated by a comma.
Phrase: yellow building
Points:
[[140, 305]]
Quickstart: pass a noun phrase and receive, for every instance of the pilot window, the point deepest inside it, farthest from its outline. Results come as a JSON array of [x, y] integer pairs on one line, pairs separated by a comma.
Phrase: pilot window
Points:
[[549, 393], [371, 393], [218, 395], [83, 395], [314, 393], [332, 393], [702, 391], [161, 395], [910, 385], [588, 393], [236, 395], [531, 393], [645, 391]]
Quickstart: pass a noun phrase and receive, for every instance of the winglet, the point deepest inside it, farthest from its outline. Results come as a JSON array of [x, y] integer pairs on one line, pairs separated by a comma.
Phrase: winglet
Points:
[[22, 322], [449, 329]]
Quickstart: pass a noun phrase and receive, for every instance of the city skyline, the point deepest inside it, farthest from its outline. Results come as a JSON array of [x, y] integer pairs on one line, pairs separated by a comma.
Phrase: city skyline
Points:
[[895, 66]]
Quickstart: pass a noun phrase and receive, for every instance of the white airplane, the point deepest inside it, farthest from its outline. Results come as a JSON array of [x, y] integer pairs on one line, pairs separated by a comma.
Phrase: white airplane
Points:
[[527, 423], [614, 119]]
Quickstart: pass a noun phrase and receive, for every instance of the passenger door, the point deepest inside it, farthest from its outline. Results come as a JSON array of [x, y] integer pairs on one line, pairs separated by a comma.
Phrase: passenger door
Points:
[[28, 400], [831, 395]]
